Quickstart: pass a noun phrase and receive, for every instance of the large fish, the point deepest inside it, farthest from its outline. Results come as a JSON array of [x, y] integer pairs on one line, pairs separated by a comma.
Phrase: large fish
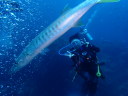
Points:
[[53, 32]]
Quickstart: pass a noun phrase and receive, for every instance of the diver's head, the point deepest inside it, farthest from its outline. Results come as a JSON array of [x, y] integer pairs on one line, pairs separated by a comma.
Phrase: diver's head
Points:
[[76, 43]]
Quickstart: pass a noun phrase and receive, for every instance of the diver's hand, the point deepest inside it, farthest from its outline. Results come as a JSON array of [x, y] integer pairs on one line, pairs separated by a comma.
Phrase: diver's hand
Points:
[[69, 54]]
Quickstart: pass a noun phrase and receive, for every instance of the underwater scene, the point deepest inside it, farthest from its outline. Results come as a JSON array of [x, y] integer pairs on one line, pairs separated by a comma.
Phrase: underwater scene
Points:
[[63, 48]]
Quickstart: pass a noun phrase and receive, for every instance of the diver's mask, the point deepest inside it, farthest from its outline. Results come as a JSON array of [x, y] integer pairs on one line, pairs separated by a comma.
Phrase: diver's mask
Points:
[[76, 43]]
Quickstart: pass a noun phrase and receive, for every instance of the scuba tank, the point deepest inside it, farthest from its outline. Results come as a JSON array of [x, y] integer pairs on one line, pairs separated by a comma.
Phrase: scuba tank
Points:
[[85, 35], [88, 35]]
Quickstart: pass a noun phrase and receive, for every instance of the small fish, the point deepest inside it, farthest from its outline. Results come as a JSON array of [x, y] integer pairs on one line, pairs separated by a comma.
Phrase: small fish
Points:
[[53, 32]]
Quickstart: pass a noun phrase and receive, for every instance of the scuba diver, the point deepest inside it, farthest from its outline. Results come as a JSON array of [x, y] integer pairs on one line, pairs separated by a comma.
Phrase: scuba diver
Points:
[[8, 7], [86, 64]]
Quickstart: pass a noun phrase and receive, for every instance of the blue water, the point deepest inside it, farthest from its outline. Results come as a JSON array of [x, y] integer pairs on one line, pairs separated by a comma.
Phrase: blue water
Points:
[[50, 74]]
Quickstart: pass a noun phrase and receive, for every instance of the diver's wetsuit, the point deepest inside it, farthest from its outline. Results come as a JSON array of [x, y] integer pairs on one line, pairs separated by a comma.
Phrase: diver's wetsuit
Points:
[[85, 60]]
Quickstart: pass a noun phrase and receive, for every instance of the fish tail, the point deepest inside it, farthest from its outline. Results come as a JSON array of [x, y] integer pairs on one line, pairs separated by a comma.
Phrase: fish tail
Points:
[[105, 1]]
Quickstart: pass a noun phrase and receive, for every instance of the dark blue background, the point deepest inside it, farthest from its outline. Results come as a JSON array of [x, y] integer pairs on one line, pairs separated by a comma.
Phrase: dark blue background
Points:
[[51, 74]]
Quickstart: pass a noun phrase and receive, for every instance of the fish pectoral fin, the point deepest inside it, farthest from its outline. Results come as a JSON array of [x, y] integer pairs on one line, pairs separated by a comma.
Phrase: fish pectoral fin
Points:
[[105, 1], [79, 23]]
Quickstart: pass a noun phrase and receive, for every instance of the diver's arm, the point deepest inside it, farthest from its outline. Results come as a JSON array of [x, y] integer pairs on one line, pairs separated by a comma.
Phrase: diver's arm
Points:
[[75, 59]]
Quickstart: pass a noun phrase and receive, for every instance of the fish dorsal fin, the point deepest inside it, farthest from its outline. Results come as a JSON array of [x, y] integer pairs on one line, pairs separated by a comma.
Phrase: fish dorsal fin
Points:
[[65, 9], [105, 1]]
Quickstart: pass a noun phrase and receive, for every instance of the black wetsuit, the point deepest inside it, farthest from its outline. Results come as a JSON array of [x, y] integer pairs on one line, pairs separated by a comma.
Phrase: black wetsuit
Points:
[[85, 61]]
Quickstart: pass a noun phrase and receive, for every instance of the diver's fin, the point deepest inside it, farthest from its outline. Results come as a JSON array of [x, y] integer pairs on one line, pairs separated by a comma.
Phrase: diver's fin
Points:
[[105, 1]]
